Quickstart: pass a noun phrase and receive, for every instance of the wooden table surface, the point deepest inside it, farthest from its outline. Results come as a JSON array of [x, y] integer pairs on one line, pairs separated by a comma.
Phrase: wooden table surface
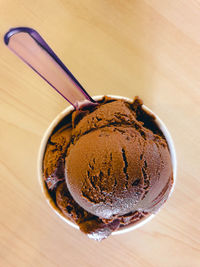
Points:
[[124, 47]]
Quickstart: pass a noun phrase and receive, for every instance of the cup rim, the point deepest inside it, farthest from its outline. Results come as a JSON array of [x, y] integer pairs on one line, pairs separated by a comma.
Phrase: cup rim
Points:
[[42, 149]]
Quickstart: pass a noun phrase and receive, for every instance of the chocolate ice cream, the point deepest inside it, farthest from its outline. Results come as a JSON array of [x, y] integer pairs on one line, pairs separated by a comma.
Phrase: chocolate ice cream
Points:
[[108, 166]]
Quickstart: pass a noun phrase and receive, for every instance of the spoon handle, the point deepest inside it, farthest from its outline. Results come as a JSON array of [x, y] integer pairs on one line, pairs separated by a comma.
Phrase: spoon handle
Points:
[[35, 52]]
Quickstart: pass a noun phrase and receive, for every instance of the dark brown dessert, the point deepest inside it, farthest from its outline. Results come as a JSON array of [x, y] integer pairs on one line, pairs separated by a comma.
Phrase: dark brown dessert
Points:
[[108, 166]]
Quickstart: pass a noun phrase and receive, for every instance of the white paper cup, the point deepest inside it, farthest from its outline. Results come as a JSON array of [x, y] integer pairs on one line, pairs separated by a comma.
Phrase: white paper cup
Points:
[[45, 139]]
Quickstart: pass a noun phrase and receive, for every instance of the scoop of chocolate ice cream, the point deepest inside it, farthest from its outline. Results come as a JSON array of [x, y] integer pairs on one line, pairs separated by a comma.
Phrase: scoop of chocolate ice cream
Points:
[[114, 165], [107, 166]]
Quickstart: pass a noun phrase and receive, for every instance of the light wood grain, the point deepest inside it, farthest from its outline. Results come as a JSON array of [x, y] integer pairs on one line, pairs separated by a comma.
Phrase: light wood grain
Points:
[[135, 47]]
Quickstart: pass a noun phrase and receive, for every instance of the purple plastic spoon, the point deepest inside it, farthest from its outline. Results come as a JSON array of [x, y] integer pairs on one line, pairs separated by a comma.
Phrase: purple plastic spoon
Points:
[[27, 44]]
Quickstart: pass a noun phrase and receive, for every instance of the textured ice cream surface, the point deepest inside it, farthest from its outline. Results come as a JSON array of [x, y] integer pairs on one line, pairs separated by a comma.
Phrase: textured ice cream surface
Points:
[[53, 164], [108, 166], [113, 162]]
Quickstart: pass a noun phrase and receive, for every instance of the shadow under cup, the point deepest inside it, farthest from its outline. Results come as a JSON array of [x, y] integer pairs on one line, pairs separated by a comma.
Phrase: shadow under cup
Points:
[[42, 149]]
